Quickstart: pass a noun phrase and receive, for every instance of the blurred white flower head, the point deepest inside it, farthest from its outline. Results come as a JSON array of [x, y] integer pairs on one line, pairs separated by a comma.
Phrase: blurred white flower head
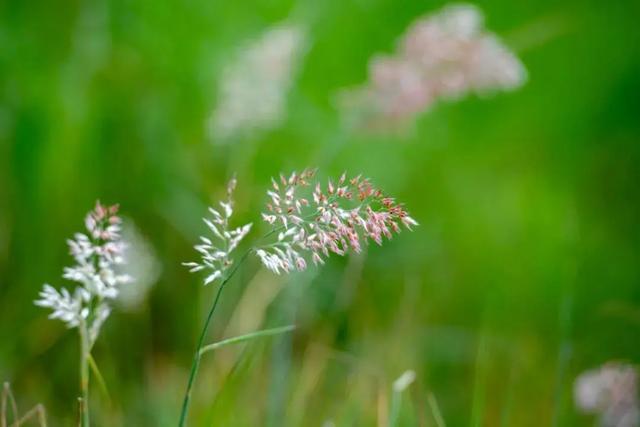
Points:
[[142, 264], [445, 55], [610, 391], [97, 254], [253, 89], [404, 381], [215, 252]]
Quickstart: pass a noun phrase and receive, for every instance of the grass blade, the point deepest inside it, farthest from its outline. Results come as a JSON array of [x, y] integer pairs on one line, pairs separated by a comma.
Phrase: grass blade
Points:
[[247, 337], [101, 383]]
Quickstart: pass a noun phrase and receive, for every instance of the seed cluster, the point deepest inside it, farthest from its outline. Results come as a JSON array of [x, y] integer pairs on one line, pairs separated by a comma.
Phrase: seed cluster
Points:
[[336, 218], [216, 257], [97, 253]]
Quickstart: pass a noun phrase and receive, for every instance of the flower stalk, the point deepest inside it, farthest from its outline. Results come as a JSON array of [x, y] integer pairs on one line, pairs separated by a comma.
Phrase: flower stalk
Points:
[[203, 334], [338, 218], [98, 253]]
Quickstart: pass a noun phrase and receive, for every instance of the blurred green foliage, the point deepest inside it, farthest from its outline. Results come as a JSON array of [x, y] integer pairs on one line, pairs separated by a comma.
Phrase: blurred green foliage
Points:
[[524, 272]]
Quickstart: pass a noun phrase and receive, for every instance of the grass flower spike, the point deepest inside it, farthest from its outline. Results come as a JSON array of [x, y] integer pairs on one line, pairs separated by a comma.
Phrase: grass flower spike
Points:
[[336, 218], [97, 254], [216, 257], [309, 222], [216, 260]]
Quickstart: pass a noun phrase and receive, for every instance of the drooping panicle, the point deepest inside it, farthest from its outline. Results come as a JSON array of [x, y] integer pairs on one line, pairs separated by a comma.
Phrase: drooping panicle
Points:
[[311, 221], [215, 251]]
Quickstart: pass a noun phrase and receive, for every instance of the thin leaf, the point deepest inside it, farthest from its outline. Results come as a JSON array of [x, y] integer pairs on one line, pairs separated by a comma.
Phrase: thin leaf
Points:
[[101, 383], [247, 337]]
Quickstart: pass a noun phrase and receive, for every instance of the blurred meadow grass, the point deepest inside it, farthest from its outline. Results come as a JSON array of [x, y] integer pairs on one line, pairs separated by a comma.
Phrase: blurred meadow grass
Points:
[[524, 272]]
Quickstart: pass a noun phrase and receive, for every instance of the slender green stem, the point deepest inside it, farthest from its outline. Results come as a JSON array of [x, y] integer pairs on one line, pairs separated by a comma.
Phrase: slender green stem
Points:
[[79, 414], [247, 337], [196, 358], [84, 374]]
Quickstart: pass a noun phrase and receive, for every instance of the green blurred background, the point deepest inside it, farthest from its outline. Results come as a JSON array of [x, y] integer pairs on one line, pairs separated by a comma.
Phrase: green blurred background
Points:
[[524, 272]]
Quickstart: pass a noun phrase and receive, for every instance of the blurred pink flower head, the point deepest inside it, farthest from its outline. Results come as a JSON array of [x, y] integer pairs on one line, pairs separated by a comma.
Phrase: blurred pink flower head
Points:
[[610, 391], [445, 55]]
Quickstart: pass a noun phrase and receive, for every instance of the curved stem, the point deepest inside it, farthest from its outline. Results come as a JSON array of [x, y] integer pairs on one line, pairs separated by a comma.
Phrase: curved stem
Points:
[[196, 358]]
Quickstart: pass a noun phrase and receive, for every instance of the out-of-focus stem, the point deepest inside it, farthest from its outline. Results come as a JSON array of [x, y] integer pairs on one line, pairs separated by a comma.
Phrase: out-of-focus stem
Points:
[[394, 411]]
